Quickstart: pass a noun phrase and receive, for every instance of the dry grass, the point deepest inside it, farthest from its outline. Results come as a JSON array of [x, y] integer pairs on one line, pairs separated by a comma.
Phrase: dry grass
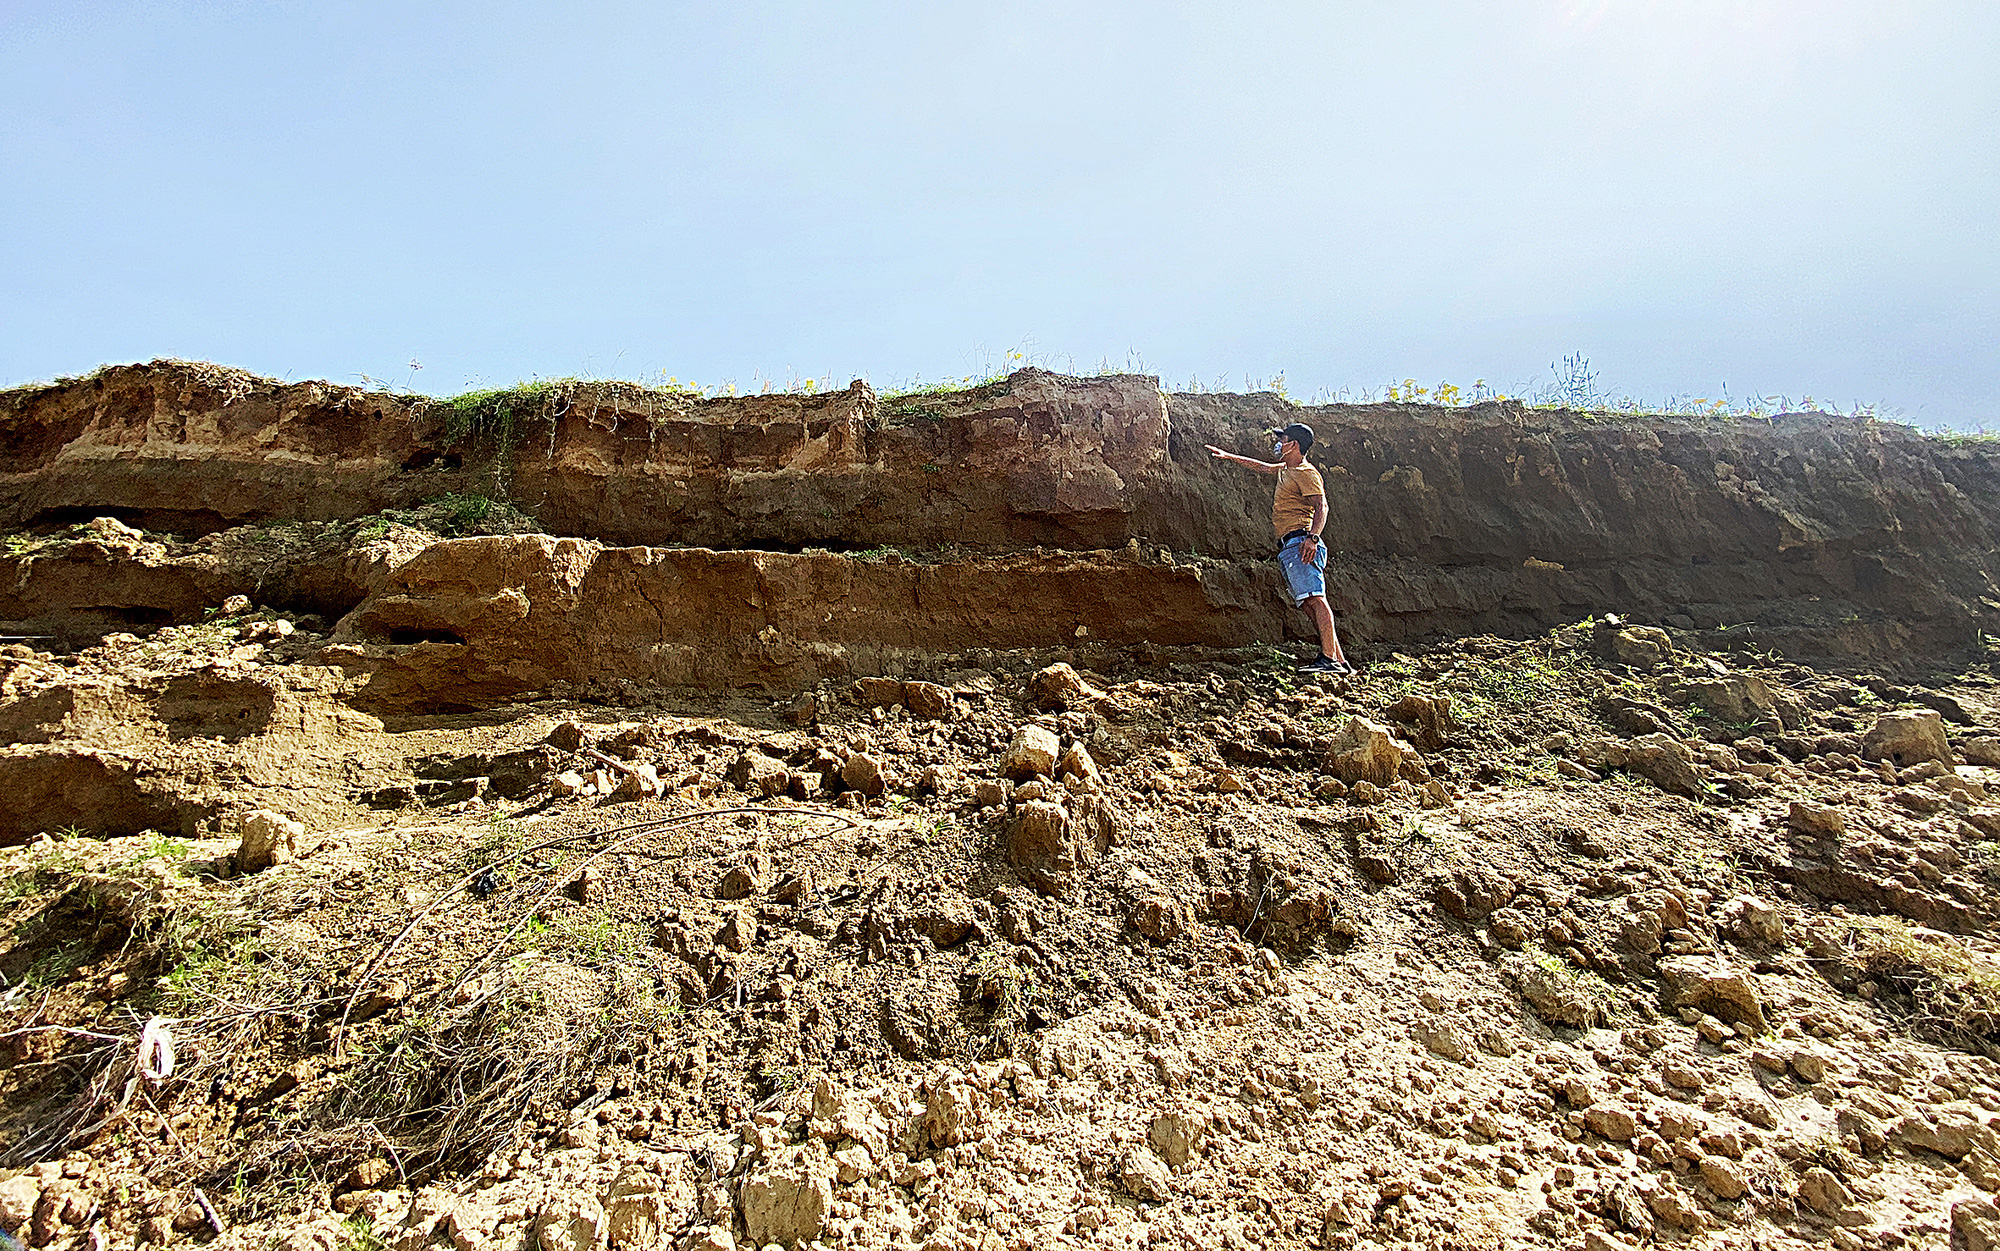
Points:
[[220, 991], [1953, 988], [446, 1088]]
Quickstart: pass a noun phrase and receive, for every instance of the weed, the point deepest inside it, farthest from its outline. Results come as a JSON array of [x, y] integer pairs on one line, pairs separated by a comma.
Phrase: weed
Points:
[[919, 390], [463, 514], [496, 412], [27, 544], [1415, 833], [1013, 990], [1986, 855], [1575, 384], [1982, 437], [1538, 771], [204, 947], [637, 1013], [600, 939], [160, 847], [783, 1079], [57, 966], [1391, 679], [1826, 1152], [930, 402], [501, 838], [1601, 995], [452, 515], [357, 1233], [1574, 387]]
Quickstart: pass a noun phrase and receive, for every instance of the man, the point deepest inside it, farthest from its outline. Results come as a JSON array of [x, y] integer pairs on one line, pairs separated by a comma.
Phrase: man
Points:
[[1298, 514]]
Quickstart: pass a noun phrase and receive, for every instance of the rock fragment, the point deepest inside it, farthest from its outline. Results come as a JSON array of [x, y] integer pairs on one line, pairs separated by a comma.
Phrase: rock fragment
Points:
[[1177, 1137], [1076, 763], [1610, 1121], [863, 772], [639, 781], [1906, 737], [1724, 1176], [1365, 751], [787, 1201], [1817, 820], [1975, 1225], [760, 775], [1060, 687], [1430, 714], [1740, 699], [1160, 918], [801, 710], [1556, 997], [1754, 919], [1033, 752], [876, 692], [927, 700], [1049, 843], [269, 838], [1701, 982], [1641, 647], [1822, 1192], [18, 1197], [1145, 1176], [1665, 762], [950, 1115]]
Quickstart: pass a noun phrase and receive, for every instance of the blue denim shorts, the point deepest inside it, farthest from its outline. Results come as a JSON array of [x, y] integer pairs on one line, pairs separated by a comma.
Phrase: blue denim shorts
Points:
[[1304, 580]]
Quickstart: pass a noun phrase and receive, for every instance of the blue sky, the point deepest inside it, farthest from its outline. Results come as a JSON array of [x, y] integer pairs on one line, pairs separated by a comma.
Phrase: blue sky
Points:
[[1786, 196]]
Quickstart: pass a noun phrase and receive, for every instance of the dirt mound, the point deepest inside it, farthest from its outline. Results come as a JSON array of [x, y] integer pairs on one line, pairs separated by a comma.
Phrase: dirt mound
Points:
[[1434, 956]]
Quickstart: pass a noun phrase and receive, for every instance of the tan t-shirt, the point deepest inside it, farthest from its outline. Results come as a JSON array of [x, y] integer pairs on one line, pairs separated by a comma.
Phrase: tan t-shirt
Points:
[[1292, 506]]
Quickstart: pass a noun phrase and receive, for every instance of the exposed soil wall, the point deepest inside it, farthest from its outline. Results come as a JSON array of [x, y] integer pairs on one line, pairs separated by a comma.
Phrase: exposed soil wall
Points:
[[1826, 534], [476, 621]]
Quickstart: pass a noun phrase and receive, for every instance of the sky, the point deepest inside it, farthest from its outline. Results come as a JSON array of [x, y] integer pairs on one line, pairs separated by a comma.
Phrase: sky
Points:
[[1783, 197]]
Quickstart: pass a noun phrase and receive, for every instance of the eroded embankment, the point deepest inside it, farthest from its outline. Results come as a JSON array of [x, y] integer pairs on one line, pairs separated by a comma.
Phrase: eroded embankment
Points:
[[475, 621], [1825, 534], [1496, 944]]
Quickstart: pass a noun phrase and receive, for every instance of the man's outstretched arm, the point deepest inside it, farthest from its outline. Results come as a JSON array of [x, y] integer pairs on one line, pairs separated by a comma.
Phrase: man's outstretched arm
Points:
[[1261, 466]]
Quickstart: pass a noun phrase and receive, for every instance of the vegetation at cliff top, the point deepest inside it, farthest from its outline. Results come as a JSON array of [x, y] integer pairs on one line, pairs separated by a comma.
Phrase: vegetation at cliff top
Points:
[[1572, 386]]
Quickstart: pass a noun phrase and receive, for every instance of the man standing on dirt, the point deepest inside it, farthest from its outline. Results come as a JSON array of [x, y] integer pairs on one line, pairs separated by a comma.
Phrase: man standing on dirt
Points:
[[1298, 514]]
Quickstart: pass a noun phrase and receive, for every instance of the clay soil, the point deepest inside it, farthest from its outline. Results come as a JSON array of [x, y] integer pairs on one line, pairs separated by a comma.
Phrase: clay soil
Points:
[[1597, 938]]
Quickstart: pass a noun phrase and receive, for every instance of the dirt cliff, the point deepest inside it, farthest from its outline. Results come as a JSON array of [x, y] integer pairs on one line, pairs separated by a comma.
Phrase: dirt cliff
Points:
[[606, 819], [1815, 532]]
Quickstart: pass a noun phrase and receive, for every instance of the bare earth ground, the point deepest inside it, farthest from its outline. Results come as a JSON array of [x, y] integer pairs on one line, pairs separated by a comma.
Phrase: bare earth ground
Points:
[[1592, 940]]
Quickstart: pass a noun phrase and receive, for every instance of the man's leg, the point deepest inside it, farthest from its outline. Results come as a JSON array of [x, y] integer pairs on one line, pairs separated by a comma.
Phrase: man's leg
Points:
[[1321, 614]]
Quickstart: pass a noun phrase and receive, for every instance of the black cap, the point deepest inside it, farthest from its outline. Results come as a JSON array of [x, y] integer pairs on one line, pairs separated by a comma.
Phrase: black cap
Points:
[[1298, 432]]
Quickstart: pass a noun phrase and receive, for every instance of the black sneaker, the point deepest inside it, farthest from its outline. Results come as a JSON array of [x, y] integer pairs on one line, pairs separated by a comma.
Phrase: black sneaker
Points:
[[1323, 664]]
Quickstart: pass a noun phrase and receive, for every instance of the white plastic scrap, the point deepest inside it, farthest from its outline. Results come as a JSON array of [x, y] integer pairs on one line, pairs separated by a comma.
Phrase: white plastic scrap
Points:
[[156, 1050]]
